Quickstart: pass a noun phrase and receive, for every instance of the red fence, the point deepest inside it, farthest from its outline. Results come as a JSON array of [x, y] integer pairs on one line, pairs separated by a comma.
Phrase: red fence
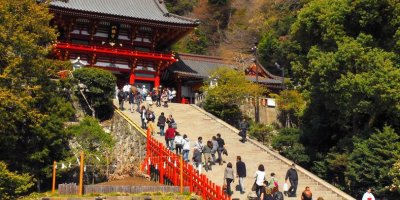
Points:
[[165, 166]]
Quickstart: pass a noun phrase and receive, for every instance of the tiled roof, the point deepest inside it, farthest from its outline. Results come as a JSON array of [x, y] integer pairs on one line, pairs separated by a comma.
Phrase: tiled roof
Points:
[[192, 65], [153, 10], [196, 65]]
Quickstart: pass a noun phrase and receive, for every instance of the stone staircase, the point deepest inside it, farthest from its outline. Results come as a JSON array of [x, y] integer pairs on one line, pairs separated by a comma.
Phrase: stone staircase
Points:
[[195, 122]]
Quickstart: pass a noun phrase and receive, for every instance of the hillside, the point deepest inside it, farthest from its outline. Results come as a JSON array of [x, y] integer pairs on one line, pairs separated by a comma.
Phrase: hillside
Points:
[[230, 28]]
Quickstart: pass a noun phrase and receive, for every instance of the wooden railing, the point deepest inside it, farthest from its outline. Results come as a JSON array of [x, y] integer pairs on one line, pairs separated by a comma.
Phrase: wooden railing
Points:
[[168, 168]]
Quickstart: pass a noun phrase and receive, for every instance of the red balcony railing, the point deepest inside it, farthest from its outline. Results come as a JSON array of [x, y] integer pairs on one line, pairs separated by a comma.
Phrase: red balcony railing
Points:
[[168, 57]]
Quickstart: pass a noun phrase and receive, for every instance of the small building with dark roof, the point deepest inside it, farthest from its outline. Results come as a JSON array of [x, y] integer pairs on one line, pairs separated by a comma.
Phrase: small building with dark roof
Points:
[[191, 70]]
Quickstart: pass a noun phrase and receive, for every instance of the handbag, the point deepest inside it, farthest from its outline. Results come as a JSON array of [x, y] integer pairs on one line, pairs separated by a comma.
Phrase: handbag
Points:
[[254, 187], [285, 187]]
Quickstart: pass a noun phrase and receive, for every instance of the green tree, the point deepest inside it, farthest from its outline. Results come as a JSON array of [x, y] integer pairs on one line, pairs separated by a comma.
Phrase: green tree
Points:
[[395, 176], [291, 105], [261, 132], [97, 145], [349, 90], [370, 163], [232, 88], [13, 185], [287, 142], [99, 91], [33, 108], [180, 7]]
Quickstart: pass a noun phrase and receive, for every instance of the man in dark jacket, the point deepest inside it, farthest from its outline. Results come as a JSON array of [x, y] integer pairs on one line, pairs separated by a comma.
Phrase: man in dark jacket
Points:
[[221, 147], [244, 125], [241, 173], [291, 174], [161, 123]]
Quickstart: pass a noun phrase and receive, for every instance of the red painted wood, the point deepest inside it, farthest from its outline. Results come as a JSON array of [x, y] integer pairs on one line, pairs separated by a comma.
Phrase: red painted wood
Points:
[[132, 78], [197, 183], [116, 52]]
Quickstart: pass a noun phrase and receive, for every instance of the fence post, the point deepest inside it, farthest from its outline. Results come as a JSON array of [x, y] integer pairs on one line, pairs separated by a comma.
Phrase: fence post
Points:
[[191, 178], [218, 190], [181, 173], [81, 175], [203, 186], [53, 188]]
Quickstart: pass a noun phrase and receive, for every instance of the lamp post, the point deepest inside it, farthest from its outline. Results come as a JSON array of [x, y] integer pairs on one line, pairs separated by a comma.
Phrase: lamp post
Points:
[[256, 109], [283, 73]]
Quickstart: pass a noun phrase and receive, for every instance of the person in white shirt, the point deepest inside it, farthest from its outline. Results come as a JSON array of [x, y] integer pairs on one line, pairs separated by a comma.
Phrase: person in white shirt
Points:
[[126, 89], [186, 148], [149, 100], [173, 95], [260, 176], [199, 144], [368, 195], [178, 143], [144, 92]]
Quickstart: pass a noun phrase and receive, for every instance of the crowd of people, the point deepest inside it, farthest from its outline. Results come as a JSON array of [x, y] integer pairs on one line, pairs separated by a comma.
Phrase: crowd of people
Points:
[[142, 96]]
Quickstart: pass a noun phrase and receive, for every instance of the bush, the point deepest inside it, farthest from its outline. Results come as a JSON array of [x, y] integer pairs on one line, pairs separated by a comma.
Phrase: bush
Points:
[[287, 142], [100, 90], [12, 184], [261, 132]]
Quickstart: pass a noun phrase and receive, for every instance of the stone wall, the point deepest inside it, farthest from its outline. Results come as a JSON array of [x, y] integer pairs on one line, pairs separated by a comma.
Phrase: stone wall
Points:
[[130, 147]]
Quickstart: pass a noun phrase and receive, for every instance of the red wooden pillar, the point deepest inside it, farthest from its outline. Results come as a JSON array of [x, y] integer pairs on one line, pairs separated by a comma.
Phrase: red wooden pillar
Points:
[[157, 79], [132, 77]]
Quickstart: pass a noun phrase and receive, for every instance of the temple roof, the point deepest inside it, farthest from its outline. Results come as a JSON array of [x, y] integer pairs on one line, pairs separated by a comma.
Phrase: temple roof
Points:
[[152, 10], [192, 65]]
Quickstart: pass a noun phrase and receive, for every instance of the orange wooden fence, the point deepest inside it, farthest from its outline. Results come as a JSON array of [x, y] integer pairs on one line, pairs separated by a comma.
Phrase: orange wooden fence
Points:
[[165, 167]]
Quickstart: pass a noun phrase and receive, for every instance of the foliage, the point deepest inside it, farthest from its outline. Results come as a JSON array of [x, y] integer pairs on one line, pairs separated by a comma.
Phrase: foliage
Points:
[[91, 139], [12, 184], [261, 132], [197, 43], [33, 108], [291, 105], [287, 142], [97, 145], [233, 87], [100, 89], [230, 113], [180, 7], [395, 176], [370, 163], [218, 2]]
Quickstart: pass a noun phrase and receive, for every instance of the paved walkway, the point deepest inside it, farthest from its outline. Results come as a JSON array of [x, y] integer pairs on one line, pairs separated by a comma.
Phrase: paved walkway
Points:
[[195, 123]]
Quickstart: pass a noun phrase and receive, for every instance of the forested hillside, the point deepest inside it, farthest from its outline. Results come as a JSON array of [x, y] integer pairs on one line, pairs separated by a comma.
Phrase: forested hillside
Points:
[[343, 58]]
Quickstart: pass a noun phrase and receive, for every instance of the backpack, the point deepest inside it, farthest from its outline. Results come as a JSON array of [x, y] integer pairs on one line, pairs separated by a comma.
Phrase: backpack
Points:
[[278, 195], [121, 95]]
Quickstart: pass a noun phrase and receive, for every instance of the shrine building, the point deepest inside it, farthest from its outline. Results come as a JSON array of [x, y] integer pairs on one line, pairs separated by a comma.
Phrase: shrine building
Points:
[[133, 39]]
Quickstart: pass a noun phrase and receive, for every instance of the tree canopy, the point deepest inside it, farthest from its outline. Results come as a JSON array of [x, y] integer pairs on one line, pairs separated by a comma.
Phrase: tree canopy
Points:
[[232, 88], [100, 88], [33, 108], [12, 184], [343, 58]]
